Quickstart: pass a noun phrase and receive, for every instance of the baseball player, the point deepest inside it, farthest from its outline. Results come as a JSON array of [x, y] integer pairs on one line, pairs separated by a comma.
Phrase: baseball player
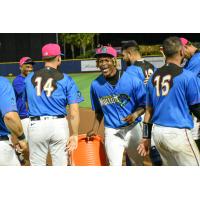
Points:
[[9, 123], [120, 98], [26, 66], [170, 100], [193, 64], [48, 92], [142, 69]]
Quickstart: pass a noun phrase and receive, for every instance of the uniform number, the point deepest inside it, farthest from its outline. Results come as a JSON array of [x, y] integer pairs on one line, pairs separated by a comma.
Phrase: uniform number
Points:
[[48, 87], [164, 83], [148, 73]]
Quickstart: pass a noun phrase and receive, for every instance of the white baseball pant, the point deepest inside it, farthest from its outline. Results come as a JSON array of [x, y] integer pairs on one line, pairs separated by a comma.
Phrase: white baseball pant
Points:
[[118, 140], [25, 125], [8, 156], [195, 131], [176, 146], [48, 134]]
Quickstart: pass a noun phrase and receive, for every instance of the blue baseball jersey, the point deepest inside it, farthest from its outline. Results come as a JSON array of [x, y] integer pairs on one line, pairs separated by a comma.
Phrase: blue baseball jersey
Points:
[[142, 69], [7, 103], [193, 64], [170, 92], [117, 102], [48, 92], [19, 87]]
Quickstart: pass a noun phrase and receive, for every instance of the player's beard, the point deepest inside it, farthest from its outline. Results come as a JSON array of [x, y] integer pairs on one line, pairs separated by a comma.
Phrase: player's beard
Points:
[[58, 66], [128, 63]]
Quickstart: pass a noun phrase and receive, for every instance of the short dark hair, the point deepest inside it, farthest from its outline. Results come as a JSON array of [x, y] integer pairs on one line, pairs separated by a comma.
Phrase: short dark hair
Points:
[[48, 58], [171, 46], [130, 44]]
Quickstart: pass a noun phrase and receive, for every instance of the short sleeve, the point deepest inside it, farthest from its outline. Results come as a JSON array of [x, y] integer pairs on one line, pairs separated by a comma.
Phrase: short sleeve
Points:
[[19, 87], [73, 95], [94, 100], [193, 91], [148, 94], [140, 93], [7, 98]]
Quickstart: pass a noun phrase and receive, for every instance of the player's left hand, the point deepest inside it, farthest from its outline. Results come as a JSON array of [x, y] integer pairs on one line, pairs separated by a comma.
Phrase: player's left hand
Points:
[[130, 118], [143, 147], [72, 143]]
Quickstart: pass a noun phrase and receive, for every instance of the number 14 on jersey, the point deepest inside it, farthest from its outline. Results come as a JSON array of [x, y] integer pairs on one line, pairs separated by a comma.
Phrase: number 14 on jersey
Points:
[[48, 87]]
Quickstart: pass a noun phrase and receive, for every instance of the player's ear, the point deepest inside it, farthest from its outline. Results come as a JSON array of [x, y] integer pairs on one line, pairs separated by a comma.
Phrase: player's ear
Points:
[[182, 52], [97, 63], [59, 59]]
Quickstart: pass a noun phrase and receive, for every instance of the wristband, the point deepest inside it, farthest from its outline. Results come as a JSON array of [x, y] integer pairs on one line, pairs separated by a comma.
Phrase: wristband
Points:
[[21, 137], [147, 127]]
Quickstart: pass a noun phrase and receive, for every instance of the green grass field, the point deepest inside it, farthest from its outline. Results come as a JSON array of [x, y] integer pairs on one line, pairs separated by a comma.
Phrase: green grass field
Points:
[[83, 80]]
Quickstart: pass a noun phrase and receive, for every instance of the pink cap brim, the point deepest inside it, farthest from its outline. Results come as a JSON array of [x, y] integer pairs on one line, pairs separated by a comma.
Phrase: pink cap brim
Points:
[[184, 41]]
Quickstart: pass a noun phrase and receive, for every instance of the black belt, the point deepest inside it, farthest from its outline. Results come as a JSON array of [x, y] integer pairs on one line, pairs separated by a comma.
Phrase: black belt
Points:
[[23, 117], [36, 118], [4, 137]]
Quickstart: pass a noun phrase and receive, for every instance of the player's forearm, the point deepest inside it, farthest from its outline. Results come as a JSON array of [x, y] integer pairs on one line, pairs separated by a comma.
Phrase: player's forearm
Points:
[[97, 121], [148, 114], [75, 121], [74, 118], [139, 111], [13, 123]]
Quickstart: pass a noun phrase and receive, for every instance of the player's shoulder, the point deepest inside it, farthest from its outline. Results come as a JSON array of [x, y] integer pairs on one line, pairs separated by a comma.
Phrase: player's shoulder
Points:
[[4, 82], [98, 80], [67, 77], [29, 75], [127, 77], [18, 78], [195, 58], [188, 73], [196, 55], [134, 69]]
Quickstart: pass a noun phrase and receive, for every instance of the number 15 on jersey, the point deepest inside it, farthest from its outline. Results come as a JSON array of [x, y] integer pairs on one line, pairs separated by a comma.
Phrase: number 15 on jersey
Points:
[[162, 85]]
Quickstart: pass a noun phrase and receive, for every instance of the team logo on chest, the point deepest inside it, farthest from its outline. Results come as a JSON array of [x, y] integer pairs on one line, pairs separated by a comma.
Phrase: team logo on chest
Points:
[[120, 99]]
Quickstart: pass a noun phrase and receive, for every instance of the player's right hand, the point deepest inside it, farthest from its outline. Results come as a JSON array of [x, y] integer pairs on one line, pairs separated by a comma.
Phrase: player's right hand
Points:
[[72, 143], [143, 147], [90, 134], [23, 146]]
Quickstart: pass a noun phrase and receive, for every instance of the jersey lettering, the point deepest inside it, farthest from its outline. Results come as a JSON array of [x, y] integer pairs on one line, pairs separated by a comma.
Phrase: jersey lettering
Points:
[[121, 99], [148, 73]]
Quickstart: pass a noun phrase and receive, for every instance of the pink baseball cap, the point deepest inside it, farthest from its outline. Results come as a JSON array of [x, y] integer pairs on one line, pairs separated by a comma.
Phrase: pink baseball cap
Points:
[[184, 41], [106, 50], [51, 50], [26, 60]]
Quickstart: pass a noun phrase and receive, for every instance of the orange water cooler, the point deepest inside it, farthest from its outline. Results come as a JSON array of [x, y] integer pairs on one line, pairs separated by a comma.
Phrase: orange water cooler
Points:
[[90, 152]]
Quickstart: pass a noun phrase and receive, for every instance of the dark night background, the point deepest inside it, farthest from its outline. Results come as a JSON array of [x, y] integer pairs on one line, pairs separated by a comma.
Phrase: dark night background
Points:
[[15, 45]]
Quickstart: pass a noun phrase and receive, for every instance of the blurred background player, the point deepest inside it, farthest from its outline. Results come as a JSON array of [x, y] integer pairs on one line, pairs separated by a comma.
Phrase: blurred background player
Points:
[[192, 54], [9, 123], [26, 66], [170, 102], [48, 93], [143, 70], [120, 99]]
